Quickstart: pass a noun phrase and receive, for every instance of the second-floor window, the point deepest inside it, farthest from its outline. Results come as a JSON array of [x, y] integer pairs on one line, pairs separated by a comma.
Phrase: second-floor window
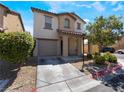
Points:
[[79, 26], [67, 23], [48, 22]]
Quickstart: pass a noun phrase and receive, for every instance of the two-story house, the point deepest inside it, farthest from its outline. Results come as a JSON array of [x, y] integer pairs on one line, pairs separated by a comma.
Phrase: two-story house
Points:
[[10, 21], [57, 34]]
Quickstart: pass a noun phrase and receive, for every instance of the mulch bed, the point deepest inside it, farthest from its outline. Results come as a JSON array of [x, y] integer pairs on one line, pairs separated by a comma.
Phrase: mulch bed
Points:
[[22, 79], [79, 65]]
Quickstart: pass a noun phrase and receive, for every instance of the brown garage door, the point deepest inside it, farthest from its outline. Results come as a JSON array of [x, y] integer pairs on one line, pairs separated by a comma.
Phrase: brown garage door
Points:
[[47, 47]]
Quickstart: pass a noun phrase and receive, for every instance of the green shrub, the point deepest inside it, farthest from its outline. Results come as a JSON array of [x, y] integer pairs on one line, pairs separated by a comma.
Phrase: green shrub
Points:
[[89, 56], [15, 47], [113, 59], [99, 60], [107, 56], [110, 58]]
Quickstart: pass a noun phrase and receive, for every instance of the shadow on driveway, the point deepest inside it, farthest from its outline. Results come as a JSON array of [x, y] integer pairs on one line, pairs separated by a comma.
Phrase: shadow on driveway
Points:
[[59, 60]]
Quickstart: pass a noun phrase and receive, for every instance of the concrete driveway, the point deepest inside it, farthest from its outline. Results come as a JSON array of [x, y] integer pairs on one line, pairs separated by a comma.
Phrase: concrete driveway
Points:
[[55, 75], [62, 78]]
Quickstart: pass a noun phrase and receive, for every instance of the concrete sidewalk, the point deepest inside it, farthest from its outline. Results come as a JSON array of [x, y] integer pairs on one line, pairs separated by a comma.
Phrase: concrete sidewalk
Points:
[[63, 78]]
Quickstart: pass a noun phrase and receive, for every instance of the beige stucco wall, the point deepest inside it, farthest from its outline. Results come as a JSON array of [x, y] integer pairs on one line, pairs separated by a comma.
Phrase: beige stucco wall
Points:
[[82, 25], [12, 23], [40, 32], [57, 23], [73, 45], [65, 45], [62, 20], [1, 16]]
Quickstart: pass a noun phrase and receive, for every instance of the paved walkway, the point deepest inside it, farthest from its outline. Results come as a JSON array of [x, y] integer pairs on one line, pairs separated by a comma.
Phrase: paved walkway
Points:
[[63, 78]]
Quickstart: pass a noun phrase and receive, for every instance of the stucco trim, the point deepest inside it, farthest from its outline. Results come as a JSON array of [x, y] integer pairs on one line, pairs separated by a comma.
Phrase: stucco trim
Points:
[[17, 14]]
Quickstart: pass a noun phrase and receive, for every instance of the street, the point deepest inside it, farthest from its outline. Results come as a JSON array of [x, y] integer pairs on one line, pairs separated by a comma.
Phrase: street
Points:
[[120, 58]]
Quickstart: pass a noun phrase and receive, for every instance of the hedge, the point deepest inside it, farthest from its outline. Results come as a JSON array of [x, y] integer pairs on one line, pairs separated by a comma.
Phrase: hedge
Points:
[[15, 47], [107, 57]]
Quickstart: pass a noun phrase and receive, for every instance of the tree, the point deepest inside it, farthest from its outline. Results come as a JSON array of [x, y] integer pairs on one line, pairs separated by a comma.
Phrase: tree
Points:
[[105, 31]]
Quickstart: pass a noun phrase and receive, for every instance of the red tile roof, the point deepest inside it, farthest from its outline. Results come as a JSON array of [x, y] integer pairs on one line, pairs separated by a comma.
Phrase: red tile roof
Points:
[[70, 32]]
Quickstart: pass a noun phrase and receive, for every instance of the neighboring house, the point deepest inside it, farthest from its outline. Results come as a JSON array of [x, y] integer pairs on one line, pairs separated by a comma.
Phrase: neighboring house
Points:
[[57, 34], [10, 21]]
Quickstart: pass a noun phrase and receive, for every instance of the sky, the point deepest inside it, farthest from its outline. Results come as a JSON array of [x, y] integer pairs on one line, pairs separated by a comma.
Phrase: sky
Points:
[[87, 10]]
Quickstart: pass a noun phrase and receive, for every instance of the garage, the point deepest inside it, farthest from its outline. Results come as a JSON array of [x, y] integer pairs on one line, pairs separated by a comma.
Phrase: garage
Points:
[[47, 47]]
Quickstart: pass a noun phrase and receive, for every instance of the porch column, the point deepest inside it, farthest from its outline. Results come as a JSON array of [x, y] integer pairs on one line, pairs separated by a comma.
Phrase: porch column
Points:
[[65, 45], [79, 46]]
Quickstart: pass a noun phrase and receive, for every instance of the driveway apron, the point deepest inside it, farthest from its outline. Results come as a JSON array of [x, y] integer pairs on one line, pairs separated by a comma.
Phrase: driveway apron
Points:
[[62, 77]]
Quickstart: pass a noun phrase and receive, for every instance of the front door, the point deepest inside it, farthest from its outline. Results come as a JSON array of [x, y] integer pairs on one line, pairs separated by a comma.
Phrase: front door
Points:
[[72, 46]]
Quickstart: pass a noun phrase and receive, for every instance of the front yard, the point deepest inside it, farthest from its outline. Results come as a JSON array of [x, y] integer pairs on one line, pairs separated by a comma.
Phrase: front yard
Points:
[[22, 80]]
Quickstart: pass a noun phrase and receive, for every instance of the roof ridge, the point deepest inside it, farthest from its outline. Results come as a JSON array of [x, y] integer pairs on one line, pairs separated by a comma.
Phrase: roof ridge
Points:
[[37, 9], [41, 10]]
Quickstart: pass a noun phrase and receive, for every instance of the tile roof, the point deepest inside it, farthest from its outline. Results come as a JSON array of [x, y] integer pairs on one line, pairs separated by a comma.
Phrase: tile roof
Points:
[[56, 14], [70, 32]]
